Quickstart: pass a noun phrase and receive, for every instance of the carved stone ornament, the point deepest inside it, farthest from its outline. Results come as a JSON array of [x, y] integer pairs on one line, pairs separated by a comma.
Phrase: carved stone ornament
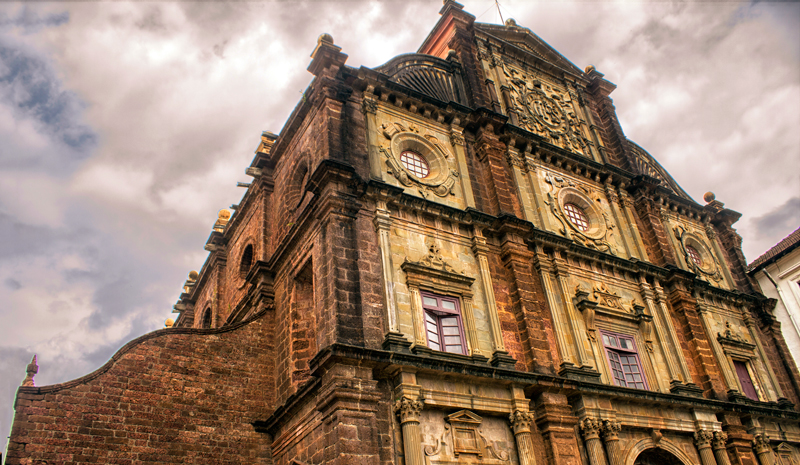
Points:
[[441, 178], [31, 371], [434, 260], [600, 230], [544, 109], [606, 297], [761, 444], [520, 421], [408, 409], [369, 105], [729, 339], [703, 438], [590, 427], [720, 439], [611, 429], [462, 441], [709, 267]]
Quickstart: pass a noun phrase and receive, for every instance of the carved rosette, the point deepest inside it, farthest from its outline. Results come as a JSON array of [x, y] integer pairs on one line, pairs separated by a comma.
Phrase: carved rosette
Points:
[[611, 429], [703, 438], [521, 421], [591, 427], [408, 409], [719, 441]]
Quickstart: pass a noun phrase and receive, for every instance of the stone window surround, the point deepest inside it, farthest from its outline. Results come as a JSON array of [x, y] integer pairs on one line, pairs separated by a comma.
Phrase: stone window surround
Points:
[[743, 352]]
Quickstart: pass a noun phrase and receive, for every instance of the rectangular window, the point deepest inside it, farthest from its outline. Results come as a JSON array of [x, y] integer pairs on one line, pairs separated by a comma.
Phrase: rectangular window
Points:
[[745, 380], [443, 323], [623, 361]]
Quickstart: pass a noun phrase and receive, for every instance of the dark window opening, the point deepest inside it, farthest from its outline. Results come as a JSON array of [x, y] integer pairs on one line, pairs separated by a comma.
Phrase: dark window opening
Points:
[[246, 262]]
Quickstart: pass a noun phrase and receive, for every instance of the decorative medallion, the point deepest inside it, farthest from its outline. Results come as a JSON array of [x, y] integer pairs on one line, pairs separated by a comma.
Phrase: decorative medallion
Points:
[[697, 255], [417, 160]]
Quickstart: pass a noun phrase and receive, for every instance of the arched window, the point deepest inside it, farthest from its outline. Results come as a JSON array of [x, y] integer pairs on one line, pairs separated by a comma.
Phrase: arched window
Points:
[[207, 318], [246, 262]]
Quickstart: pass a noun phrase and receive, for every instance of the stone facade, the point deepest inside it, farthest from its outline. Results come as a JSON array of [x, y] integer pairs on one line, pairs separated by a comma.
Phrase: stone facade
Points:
[[456, 257]]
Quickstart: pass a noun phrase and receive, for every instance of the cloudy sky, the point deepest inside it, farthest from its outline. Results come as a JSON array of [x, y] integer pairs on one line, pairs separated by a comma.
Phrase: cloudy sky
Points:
[[124, 128]]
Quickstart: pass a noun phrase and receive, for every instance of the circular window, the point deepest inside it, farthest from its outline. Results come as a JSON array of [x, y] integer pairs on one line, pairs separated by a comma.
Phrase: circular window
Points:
[[694, 255], [577, 216], [415, 163]]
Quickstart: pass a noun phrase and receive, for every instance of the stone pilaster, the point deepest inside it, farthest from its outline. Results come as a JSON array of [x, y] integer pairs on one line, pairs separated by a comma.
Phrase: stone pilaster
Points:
[[590, 427], [409, 410], [610, 430], [719, 447], [702, 440], [521, 426], [481, 251], [763, 450]]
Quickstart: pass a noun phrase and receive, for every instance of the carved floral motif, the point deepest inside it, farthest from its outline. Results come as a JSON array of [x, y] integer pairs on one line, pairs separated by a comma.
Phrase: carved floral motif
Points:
[[408, 409]]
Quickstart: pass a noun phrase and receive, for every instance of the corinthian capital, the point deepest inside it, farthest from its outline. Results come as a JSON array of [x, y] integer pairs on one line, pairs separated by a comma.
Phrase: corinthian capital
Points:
[[408, 409], [520, 421], [590, 427], [703, 438], [611, 429], [719, 441], [761, 443]]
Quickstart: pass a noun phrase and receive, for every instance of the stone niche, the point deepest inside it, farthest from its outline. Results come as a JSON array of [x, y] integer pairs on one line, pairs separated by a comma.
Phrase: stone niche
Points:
[[465, 437]]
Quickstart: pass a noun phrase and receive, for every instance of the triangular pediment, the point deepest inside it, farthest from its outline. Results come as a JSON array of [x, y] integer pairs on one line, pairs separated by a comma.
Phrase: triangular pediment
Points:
[[524, 39], [464, 416]]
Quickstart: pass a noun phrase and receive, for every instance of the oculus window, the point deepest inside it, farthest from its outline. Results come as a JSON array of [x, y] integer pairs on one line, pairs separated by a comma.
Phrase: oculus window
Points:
[[415, 163], [577, 216]]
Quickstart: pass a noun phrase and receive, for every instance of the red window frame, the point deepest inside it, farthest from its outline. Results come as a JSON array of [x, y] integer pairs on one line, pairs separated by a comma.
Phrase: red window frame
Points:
[[745, 380], [623, 360], [444, 329], [577, 216]]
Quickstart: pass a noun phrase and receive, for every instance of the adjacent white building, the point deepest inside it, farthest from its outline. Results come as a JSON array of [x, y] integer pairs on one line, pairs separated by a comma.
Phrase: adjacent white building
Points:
[[778, 273]]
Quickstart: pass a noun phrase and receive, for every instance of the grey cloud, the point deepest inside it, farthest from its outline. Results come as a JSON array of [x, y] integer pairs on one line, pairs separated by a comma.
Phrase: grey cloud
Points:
[[30, 21], [779, 222], [31, 89], [13, 284]]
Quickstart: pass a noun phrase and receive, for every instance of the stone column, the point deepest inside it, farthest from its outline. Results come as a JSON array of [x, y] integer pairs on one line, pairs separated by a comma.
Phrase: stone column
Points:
[[594, 447], [763, 450], [720, 450], [409, 410], [521, 426], [610, 430], [702, 440]]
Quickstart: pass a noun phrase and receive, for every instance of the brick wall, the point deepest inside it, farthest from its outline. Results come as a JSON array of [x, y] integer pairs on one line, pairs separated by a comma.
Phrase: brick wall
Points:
[[172, 396]]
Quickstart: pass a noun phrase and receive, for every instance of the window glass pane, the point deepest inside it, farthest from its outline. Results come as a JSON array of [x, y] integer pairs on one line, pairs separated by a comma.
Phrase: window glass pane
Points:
[[449, 321], [450, 330], [452, 340], [429, 301], [612, 341], [455, 349], [446, 304], [433, 345], [624, 343], [606, 341], [429, 318]]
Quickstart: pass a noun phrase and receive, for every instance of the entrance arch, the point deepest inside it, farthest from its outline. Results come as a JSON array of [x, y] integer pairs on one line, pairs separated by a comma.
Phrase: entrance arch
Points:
[[656, 457], [647, 452]]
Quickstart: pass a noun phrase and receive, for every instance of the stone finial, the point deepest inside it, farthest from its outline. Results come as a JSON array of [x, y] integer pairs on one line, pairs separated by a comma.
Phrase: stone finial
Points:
[[31, 371], [709, 197], [325, 38], [589, 69], [222, 219], [169, 323], [510, 22], [193, 275]]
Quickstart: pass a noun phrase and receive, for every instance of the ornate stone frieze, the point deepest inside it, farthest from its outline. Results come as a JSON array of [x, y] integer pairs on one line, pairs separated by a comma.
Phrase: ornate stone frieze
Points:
[[463, 441], [544, 108]]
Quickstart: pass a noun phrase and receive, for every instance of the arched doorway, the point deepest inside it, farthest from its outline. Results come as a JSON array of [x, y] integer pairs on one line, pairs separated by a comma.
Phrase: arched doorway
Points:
[[656, 457]]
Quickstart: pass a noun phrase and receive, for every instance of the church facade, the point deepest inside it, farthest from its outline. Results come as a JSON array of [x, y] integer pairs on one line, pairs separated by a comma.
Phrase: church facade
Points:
[[455, 257]]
